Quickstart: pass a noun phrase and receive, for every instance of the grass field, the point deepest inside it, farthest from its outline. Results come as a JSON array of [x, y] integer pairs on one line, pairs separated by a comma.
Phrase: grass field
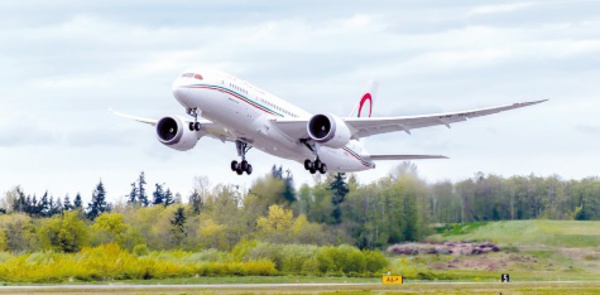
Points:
[[409, 288], [533, 250], [556, 233]]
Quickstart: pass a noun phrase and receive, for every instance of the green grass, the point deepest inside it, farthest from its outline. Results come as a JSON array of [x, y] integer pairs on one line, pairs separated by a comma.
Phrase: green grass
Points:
[[555, 233]]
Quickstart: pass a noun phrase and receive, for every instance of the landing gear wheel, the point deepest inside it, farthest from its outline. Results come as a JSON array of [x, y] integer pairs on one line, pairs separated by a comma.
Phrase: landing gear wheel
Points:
[[249, 169], [234, 165], [244, 165], [191, 126], [312, 170], [197, 126], [307, 164], [323, 168], [318, 164], [239, 171]]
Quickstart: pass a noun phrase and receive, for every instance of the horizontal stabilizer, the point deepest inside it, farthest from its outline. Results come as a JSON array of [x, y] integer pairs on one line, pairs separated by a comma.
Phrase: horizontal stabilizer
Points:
[[405, 157]]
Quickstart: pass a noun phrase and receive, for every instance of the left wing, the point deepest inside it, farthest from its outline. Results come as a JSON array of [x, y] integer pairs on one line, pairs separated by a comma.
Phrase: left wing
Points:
[[364, 127], [209, 128]]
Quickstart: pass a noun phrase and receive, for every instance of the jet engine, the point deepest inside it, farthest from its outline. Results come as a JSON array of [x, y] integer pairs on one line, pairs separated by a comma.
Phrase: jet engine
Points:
[[175, 133], [329, 130]]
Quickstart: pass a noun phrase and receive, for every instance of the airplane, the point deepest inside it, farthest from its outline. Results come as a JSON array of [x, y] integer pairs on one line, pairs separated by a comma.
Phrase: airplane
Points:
[[239, 112]]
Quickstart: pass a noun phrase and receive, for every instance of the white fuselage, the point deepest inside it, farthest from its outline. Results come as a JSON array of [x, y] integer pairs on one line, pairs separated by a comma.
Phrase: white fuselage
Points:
[[247, 111]]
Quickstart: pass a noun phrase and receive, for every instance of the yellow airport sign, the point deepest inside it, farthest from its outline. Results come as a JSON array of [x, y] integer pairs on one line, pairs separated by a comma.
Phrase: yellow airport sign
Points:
[[392, 280]]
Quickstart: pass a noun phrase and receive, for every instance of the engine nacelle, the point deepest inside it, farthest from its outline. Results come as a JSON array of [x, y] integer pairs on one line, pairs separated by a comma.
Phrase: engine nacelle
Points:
[[329, 130], [174, 133]]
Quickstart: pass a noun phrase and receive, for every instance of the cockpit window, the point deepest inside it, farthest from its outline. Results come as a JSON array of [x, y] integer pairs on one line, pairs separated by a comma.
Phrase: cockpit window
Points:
[[192, 75]]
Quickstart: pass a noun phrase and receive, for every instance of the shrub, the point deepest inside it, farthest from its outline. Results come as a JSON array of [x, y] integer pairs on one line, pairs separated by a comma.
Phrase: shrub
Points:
[[375, 261], [210, 255], [140, 250]]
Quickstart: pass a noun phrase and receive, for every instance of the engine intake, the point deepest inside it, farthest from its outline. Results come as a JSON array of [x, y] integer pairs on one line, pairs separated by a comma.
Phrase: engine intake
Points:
[[328, 130], [173, 132]]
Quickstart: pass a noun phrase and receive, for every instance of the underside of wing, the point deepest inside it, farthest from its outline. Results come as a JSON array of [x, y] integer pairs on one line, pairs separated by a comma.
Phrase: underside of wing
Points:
[[208, 128], [364, 127], [404, 157]]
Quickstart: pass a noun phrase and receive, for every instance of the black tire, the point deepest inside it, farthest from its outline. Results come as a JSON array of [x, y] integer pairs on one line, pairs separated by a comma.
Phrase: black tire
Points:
[[197, 126], [234, 165], [323, 168], [312, 170], [307, 164], [249, 169], [244, 165], [318, 164], [191, 126], [239, 171]]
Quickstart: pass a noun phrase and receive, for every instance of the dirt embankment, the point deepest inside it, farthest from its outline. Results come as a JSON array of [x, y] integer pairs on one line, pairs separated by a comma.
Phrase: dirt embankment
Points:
[[452, 248]]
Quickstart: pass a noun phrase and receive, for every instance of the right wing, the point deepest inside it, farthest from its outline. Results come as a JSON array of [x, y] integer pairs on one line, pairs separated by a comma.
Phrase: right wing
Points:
[[209, 128], [365, 126]]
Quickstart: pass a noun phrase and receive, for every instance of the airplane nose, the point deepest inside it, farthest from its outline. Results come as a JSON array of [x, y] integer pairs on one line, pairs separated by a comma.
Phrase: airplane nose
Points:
[[181, 93]]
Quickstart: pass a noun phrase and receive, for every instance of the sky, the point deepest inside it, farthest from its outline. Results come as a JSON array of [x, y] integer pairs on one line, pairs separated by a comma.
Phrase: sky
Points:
[[64, 63]]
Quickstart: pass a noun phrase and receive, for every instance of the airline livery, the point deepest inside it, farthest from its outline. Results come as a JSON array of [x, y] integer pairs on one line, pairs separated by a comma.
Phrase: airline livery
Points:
[[250, 117]]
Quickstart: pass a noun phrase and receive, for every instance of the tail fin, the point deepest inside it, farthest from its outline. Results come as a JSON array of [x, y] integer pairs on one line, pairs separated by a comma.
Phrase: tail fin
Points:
[[364, 107]]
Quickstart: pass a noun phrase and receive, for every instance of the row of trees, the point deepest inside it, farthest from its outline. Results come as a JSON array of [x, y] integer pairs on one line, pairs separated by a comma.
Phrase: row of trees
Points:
[[335, 210]]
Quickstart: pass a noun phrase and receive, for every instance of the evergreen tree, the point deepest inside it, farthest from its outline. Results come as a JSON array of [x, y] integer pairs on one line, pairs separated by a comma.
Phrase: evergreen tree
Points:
[[67, 206], [33, 206], [77, 203], [132, 199], [178, 226], [196, 202], [98, 204], [169, 200], [277, 173], [142, 196], [339, 188], [158, 195], [44, 206], [289, 193]]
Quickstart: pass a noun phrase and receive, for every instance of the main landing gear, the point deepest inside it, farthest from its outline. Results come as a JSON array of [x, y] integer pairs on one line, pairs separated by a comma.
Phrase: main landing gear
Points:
[[317, 165], [243, 166], [194, 126]]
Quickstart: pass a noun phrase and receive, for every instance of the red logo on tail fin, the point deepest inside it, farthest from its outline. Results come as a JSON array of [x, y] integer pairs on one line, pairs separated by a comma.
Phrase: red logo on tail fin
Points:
[[365, 97]]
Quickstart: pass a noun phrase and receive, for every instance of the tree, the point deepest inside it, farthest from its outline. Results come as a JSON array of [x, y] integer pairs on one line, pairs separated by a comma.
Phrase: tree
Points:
[[158, 195], [67, 206], [169, 200], [110, 227], [196, 202], [178, 226], [132, 199], [339, 189], [142, 197], [277, 173], [289, 193], [98, 204], [78, 202], [65, 233]]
